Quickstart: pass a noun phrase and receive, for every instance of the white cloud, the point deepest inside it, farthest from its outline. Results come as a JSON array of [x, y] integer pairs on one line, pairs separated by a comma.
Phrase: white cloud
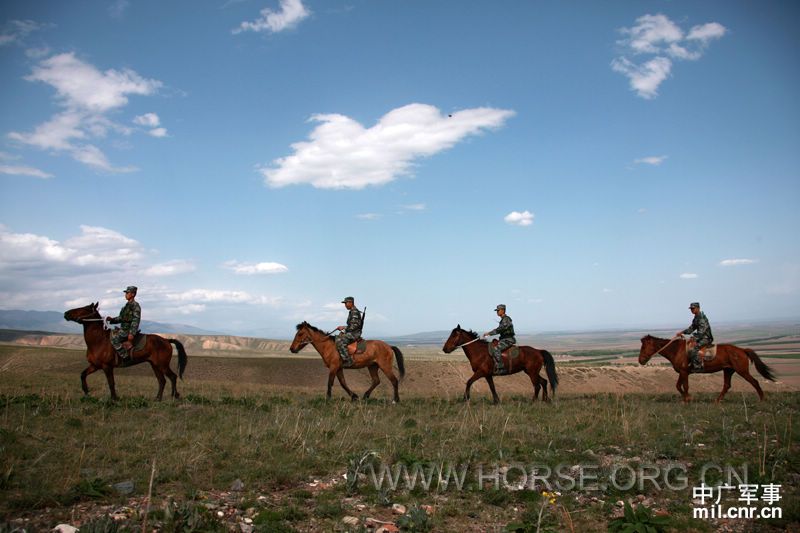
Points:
[[414, 207], [87, 94], [343, 154], [659, 36], [707, 32], [158, 132], [21, 170], [290, 14], [524, 218], [82, 86], [255, 268], [117, 8], [55, 134], [737, 262], [650, 33], [645, 78], [368, 216], [654, 160], [150, 120], [15, 31], [92, 156], [204, 296], [688, 275], [170, 268]]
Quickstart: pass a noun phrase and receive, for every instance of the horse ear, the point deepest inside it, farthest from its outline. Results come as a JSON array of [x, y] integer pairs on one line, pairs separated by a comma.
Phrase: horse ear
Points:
[[95, 305], [458, 326]]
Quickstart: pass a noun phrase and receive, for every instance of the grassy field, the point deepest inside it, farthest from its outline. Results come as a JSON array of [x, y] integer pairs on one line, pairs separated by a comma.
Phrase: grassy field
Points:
[[239, 455]]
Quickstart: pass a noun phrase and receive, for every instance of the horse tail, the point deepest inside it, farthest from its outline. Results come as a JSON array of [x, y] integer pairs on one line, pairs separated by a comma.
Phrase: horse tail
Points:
[[400, 365], [182, 358], [550, 367], [761, 366]]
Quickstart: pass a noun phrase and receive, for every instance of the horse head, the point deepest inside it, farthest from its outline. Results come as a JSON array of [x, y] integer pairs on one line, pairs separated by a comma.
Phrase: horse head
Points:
[[303, 336], [457, 337], [81, 313], [649, 347]]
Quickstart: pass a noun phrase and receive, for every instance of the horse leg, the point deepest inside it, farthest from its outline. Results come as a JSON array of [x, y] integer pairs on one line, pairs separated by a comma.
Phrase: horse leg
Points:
[[109, 370], [376, 380], [726, 384], [331, 375], [173, 377], [161, 380], [683, 379], [536, 386], [495, 397], [545, 397], [386, 366], [91, 369], [750, 379], [475, 377], [343, 383]]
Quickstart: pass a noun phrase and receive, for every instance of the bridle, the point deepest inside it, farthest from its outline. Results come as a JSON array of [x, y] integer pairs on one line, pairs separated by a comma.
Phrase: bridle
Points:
[[658, 352], [81, 320]]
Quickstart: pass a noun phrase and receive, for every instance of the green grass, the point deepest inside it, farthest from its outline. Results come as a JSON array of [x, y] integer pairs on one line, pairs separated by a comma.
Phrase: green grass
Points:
[[58, 448]]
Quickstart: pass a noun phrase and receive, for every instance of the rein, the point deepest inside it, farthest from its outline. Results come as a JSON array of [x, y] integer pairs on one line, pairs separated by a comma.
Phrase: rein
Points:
[[82, 320], [665, 346], [469, 342]]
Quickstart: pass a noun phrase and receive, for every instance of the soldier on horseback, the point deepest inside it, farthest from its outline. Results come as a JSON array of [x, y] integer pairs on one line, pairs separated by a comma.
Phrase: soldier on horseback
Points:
[[507, 339], [129, 318], [700, 330], [351, 332]]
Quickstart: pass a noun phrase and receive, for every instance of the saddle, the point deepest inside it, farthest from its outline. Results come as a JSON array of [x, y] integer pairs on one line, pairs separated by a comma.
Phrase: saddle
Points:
[[139, 340], [706, 353], [357, 347], [508, 353]]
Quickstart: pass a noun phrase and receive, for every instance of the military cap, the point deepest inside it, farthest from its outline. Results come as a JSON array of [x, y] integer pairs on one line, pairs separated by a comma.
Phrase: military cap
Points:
[[500, 306], [349, 299], [694, 304], [131, 288]]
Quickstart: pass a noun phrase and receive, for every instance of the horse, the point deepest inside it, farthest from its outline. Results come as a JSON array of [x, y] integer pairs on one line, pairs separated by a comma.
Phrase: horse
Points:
[[101, 354], [530, 360], [378, 354], [729, 359]]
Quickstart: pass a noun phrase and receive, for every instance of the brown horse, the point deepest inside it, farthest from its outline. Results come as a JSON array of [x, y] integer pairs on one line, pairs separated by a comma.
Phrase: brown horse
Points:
[[377, 355], [729, 359], [530, 360], [101, 355]]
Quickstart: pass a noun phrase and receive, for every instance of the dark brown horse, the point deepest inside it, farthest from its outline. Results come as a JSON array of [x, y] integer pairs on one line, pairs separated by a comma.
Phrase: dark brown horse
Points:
[[377, 355], [729, 359], [530, 360], [101, 355]]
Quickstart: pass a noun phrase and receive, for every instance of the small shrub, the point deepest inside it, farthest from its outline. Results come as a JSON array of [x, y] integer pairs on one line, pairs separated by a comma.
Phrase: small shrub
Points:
[[415, 520], [641, 519]]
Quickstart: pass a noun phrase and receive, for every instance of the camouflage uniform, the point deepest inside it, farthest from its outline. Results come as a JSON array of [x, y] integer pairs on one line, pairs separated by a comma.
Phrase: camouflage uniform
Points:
[[351, 333], [700, 330], [507, 339], [130, 316]]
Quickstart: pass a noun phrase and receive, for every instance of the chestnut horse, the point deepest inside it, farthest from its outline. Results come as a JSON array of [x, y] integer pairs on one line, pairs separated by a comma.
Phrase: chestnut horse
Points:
[[101, 355], [729, 359], [530, 360], [377, 355]]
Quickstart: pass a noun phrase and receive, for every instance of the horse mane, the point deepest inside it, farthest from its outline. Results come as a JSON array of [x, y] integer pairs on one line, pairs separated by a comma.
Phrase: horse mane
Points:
[[309, 326], [649, 337], [472, 334]]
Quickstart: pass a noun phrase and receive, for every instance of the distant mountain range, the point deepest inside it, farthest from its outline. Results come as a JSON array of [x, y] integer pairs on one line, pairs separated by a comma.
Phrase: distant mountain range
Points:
[[53, 321]]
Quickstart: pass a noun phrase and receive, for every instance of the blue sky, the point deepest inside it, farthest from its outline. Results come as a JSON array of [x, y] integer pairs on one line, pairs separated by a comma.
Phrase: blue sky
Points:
[[248, 163]]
